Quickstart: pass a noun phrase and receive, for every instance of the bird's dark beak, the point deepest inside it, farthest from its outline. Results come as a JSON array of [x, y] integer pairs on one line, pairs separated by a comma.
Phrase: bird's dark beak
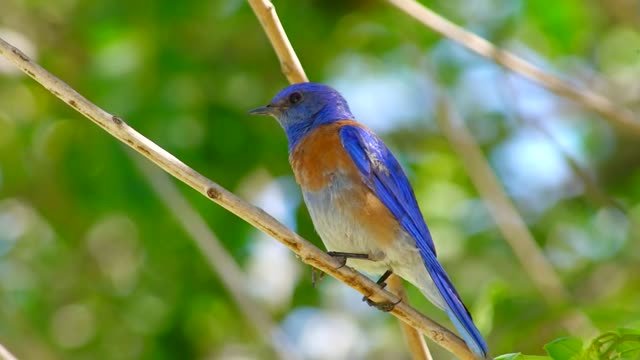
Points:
[[265, 110]]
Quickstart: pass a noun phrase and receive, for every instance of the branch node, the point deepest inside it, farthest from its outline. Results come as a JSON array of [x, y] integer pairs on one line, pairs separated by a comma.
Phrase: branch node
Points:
[[116, 120], [20, 54], [213, 193], [437, 336], [143, 150]]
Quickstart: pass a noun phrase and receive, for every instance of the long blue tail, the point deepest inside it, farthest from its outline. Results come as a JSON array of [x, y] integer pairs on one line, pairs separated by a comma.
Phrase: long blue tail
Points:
[[456, 310]]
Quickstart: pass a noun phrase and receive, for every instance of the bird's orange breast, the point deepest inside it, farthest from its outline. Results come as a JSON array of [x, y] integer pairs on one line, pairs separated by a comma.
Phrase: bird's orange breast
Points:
[[320, 158], [320, 155]]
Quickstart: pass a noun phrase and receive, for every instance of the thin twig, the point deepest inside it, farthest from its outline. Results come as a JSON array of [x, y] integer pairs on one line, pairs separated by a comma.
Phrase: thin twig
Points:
[[255, 216], [5, 354], [506, 216], [287, 55], [417, 346], [266, 14], [218, 258], [608, 110]]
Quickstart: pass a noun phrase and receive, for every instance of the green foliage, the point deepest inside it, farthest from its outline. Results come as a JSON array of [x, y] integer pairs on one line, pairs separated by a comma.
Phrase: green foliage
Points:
[[623, 344], [568, 348], [620, 344], [94, 266]]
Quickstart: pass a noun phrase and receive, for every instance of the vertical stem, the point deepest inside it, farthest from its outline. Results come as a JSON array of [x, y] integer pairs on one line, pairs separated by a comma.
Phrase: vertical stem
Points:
[[417, 346], [292, 69], [289, 63]]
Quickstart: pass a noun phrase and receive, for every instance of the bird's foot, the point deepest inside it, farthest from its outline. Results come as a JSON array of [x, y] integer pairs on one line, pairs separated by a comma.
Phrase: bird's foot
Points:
[[316, 276], [343, 256], [385, 306]]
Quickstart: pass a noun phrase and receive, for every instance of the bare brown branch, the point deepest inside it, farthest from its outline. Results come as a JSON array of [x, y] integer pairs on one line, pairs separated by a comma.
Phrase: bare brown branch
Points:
[[604, 107], [417, 346], [255, 216], [289, 63], [5, 354], [218, 258]]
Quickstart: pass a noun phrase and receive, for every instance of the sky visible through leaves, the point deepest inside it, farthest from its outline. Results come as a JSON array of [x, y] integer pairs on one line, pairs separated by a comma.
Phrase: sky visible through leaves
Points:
[[94, 266]]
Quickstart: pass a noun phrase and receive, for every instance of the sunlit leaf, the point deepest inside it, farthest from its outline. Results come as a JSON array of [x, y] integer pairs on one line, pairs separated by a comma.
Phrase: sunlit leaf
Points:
[[520, 356], [568, 348]]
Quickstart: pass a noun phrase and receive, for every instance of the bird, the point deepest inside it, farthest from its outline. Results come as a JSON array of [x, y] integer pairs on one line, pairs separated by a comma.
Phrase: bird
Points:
[[360, 200]]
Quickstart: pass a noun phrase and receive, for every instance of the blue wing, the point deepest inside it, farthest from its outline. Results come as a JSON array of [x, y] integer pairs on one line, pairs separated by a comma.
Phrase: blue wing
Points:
[[382, 173]]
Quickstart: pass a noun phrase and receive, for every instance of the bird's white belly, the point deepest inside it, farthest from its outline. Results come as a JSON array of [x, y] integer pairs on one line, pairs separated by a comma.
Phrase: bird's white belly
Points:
[[335, 221], [340, 231]]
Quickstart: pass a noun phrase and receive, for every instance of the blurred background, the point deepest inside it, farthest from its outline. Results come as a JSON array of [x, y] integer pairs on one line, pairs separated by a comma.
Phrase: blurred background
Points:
[[94, 265]]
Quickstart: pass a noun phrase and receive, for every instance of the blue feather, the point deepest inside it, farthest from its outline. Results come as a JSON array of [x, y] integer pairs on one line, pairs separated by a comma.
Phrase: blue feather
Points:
[[382, 173]]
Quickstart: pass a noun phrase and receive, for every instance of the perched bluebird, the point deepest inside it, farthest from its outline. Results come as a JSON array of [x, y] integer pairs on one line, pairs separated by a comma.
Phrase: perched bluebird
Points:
[[359, 198]]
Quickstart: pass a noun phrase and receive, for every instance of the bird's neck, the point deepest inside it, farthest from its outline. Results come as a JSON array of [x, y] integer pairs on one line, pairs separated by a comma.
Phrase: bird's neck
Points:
[[296, 132], [329, 114]]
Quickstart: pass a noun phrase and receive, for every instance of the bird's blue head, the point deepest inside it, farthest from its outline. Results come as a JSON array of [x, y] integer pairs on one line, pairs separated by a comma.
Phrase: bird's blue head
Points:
[[303, 107]]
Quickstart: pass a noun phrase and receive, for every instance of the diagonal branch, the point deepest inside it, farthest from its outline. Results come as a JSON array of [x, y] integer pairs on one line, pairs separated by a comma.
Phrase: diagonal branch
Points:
[[255, 216], [5, 354], [588, 99], [218, 258], [289, 63]]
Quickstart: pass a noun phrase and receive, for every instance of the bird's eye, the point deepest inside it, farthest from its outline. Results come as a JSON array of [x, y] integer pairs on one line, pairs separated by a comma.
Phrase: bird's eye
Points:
[[295, 97]]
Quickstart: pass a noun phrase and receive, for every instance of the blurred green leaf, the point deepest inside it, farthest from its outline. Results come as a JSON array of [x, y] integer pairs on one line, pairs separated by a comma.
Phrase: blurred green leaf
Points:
[[568, 348], [184, 73], [621, 344]]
